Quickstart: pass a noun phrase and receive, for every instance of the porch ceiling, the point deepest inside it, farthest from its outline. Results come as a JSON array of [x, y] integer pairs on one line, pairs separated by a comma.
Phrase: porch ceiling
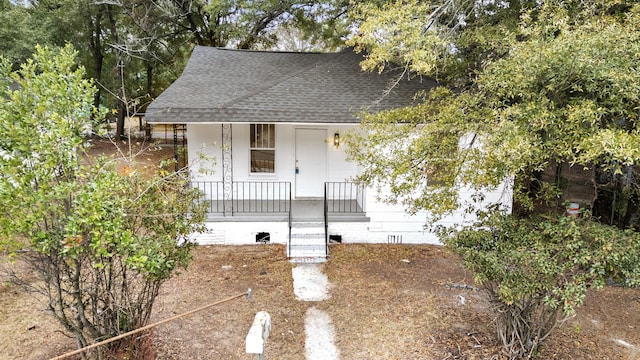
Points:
[[239, 86]]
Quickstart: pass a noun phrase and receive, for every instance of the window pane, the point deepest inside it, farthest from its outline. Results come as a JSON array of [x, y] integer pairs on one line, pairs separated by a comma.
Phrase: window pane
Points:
[[262, 136], [262, 161], [252, 135], [272, 136], [262, 145]]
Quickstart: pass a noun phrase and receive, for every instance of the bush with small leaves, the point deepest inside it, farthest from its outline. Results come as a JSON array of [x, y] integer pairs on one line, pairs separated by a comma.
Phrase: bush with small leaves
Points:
[[101, 240], [536, 271]]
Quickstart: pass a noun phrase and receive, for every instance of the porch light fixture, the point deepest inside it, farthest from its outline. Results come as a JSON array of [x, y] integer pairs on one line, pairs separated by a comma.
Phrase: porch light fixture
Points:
[[336, 139]]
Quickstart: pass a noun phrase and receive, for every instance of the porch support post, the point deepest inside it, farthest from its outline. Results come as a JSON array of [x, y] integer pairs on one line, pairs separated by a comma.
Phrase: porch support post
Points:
[[227, 170]]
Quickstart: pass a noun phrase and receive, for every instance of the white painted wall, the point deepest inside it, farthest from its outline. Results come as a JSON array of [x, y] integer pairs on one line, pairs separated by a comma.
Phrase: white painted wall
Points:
[[241, 233], [206, 139], [338, 167], [204, 148], [371, 233], [385, 220]]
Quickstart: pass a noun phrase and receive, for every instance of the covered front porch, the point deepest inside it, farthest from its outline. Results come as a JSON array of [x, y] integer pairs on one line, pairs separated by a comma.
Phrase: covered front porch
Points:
[[307, 219], [273, 201]]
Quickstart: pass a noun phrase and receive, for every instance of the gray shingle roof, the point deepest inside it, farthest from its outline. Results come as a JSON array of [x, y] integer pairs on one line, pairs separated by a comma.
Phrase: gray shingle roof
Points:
[[222, 85]]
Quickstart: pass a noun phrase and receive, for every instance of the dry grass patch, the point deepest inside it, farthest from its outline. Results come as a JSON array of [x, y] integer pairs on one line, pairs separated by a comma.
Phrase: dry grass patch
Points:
[[387, 302]]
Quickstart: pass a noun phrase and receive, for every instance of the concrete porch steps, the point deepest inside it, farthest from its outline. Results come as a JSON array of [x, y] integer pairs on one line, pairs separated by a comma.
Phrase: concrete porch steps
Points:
[[307, 241]]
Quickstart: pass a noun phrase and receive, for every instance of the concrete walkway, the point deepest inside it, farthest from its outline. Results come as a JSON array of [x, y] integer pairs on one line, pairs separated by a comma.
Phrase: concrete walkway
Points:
[[311, 284]]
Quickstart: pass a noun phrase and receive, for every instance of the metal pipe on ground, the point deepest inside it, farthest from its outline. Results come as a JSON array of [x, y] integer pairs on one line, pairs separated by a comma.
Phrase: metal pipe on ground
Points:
[[144, 328]]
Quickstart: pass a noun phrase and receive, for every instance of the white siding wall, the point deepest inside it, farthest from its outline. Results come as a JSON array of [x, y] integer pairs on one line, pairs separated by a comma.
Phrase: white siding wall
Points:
[[373, 233], [385, 220], [205, 140], [390, 220], [338, 167], [242, 233]]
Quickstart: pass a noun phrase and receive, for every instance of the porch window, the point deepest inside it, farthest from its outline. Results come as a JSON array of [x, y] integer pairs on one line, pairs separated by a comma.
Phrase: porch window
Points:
[[263, 148]]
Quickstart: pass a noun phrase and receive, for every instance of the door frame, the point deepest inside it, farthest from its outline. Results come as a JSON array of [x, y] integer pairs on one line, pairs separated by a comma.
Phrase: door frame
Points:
[[322, 135]]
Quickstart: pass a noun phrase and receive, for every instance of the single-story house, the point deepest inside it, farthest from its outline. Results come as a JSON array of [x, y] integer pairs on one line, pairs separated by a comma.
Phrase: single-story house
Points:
[[263, 132]]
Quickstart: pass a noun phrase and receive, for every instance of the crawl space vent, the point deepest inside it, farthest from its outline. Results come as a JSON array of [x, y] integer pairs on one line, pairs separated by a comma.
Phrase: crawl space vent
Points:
[[263, 237]]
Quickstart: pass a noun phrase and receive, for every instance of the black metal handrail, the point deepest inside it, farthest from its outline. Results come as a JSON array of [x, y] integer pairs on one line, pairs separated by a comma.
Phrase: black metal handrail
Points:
[[290, 224], [211, 192], [326, 223], [345, 197]]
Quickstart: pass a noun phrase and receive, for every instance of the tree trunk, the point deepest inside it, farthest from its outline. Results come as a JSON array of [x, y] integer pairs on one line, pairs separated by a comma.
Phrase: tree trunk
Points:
[[122, 96], [95, 43], [149, 85], [120, 120]]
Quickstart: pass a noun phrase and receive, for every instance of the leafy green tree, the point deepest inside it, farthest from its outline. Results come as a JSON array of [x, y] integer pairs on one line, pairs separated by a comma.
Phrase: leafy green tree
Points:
[[19, 33], [564, 94], [132, 47], [137, 48], [447, 39], [248, 24], [522, 92], [101, 238]]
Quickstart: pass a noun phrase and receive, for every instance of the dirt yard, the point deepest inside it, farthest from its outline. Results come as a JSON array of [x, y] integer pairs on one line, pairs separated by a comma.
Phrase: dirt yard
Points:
[[144, 155], [387, 302]]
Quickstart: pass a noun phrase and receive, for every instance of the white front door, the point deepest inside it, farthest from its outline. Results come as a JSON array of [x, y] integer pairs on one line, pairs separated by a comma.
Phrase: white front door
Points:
[[311, 162]]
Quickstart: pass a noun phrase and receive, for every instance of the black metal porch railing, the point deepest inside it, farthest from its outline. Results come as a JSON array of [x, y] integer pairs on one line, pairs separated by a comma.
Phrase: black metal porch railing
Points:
[[262, 197], [326, 223], [211, 192], [341, 197], [342, 200], [344, 197]]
